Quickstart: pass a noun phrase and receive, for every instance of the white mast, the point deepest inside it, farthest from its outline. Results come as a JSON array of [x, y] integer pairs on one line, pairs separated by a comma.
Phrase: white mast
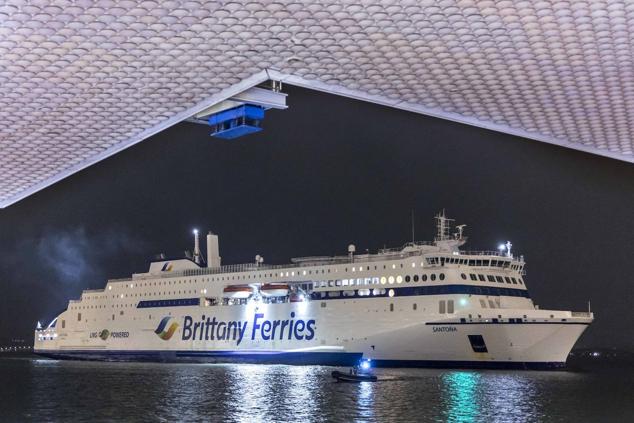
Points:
[[196, 247], [443, 226]]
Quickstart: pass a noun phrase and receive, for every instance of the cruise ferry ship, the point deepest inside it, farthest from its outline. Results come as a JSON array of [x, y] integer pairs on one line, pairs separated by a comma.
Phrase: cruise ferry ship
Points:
[[425, 304]]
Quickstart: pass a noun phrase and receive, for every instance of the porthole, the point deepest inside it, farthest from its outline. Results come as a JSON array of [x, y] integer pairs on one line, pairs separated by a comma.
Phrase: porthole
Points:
[[442, 276], [390, 279], [463, 276], [399, 279], [415, 278], [424, 278], [390, 293], [408, 278], [433, 277], [383, 280]]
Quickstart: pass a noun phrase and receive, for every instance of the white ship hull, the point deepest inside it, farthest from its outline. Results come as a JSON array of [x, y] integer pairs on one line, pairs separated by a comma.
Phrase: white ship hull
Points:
[[344, 331]]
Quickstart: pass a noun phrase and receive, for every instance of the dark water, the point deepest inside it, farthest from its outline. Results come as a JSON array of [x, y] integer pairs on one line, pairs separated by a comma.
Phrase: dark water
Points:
[[40, 390]]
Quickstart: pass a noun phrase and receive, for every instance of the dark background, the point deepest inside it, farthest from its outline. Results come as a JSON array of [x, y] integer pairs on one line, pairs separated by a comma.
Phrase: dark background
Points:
[[327, 172]]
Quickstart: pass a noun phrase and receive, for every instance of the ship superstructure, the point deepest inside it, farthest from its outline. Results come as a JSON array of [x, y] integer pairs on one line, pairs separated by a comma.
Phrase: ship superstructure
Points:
[[424, 304]]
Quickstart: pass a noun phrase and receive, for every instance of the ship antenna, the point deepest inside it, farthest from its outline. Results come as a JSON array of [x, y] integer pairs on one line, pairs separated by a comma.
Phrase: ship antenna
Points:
[[413, 229]]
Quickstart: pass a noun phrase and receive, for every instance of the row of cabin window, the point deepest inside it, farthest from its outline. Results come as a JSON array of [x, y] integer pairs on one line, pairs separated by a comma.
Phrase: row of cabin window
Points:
[[492, 278], [442, 307], [376, 281], [473, 262], [90, 307]]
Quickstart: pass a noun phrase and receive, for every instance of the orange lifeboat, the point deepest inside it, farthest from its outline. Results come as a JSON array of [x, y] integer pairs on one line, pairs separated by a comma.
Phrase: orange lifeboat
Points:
[[274, 290], [237, 291]]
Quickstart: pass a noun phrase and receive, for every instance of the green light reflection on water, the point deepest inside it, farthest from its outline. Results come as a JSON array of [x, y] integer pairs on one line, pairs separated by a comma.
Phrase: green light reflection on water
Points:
[[461, 399]]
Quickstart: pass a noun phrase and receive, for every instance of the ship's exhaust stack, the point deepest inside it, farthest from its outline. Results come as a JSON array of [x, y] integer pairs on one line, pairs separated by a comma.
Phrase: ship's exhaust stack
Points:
[[213, 252]]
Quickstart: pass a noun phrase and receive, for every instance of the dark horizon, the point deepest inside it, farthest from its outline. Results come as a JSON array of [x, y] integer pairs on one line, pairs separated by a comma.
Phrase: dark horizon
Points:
[[327, 172]]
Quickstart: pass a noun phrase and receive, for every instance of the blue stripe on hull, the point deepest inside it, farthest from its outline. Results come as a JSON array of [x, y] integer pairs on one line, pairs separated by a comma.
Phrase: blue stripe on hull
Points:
[[293, 358], [266, 357], [451, 364]]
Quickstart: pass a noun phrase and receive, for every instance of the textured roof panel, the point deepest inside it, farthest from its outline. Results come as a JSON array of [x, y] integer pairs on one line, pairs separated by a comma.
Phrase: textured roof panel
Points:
[[80, 80]]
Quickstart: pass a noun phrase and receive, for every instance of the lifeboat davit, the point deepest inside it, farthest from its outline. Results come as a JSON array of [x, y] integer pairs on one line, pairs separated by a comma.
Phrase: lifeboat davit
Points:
[[274, 290], [237, 291]]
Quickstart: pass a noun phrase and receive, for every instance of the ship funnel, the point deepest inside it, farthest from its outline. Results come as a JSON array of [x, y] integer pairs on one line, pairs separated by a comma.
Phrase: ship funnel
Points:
[[196, 247], [213, 252]]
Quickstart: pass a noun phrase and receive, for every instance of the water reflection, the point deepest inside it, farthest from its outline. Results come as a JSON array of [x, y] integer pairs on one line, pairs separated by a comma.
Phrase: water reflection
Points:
[[365, 401], [272, 393], [492, 396], [249, 393], [461, 398]]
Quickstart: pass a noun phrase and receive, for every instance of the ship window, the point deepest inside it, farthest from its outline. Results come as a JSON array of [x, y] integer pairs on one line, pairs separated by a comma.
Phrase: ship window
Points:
[[491, 304], [63, 324], [481, 277], [399, 279], [450, 306], [441, 307], [121, 312], [433, 276], [483, 304], [514, 280], [507, 279], [414, 306], [521, 281], [473, 277], [408, 278], [391, 306], [442, 276], [415, 278], [463, 276], [490, 278], [79, 317], [424, 278]]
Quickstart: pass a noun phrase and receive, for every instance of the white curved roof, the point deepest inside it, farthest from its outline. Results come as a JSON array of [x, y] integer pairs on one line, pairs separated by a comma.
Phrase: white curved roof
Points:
[[81, 80]]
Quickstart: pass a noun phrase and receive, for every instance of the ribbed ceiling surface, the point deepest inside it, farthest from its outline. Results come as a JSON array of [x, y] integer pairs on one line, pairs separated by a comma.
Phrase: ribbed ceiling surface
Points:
[[81, 80]]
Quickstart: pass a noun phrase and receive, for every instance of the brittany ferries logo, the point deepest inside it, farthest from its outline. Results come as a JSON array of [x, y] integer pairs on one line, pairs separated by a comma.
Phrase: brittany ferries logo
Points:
[[162, 332]]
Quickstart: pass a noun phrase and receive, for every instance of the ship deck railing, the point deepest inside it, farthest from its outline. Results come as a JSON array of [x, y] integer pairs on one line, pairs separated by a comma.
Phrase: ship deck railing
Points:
[[311, 261]]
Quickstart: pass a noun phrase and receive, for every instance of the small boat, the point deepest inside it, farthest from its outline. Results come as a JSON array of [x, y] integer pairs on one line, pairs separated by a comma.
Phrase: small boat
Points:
[[274, 290], [353, 376], [237, 291]]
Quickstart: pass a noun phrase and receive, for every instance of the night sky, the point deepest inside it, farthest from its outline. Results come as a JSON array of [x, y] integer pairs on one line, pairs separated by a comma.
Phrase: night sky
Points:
[[327, 172]]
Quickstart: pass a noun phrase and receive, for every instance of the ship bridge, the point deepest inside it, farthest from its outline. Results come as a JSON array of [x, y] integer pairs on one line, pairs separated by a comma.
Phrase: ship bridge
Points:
[[83, 80]]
